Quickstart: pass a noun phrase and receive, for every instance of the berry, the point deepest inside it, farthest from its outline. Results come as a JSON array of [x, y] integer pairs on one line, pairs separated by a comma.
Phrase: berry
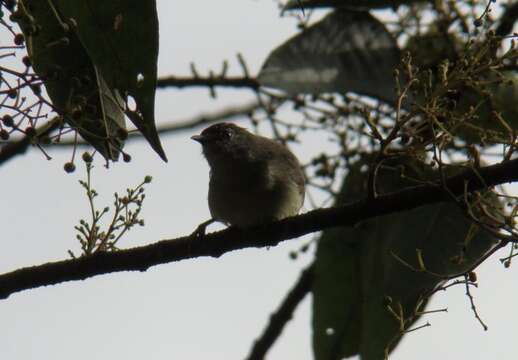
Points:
[[69, 167], [8, 120], [4, 135], [87, 158], [26, 61], [30, 131], [19, 39], [13, 93]]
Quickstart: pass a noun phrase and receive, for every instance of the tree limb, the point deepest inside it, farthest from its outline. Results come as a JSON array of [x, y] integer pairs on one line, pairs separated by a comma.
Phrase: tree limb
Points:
[[283, 314], [217, 243], [507, 20]]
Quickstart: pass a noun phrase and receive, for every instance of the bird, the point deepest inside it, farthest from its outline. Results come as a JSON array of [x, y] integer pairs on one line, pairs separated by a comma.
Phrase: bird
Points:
[[253, 179]]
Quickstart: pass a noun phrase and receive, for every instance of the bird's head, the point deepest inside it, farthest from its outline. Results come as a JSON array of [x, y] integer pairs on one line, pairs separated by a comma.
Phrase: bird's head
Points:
[[224, 141]]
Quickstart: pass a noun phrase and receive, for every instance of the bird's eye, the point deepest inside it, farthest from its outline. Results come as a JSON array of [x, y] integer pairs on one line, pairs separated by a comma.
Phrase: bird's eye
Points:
[[228, 133]]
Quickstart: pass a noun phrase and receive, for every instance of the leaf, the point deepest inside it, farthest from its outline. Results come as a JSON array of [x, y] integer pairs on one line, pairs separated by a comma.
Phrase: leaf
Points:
[[360, 271], [121, 38], [76, 89], [353, 4], [346, 51], [499, 95]]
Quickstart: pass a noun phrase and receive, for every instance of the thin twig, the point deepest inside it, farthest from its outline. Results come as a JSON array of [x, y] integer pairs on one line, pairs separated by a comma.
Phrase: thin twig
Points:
[[209, 81]]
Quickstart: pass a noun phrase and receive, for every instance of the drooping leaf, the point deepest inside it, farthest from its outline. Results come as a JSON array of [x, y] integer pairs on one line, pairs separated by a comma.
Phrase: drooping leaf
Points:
[[353, 4], [73, 83], [346, 51], [121, 38], [361, 271]]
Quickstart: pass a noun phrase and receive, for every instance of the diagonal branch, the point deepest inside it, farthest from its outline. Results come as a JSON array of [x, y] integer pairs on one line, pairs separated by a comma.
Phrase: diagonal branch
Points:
[[507, 20], [283, 314], [221, 242]]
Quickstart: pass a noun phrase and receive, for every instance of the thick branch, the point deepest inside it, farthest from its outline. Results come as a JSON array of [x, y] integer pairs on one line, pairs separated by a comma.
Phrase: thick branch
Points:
[[210, 81], [507, 20], [218, 243], [10, 150], [283, 314]]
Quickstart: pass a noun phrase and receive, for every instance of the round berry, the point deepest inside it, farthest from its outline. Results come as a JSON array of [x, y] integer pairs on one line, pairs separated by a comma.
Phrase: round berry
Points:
[[19, 39], [87, 158], [30, 131], [13, 93], [8, 120], [69, 167], [26, 61], [4, 135]]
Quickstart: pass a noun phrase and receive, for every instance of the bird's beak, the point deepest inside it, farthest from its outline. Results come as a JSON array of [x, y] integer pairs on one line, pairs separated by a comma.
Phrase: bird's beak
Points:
[[198, 138]]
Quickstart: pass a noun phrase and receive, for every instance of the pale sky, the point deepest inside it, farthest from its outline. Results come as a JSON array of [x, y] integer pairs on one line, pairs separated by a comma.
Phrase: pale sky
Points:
[[202, 308]]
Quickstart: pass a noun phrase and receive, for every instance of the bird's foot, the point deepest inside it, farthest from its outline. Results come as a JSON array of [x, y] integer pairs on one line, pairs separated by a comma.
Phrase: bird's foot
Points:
[[199, 233]]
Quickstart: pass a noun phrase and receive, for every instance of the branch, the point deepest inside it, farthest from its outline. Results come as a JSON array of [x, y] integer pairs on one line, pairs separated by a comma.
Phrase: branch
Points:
[[206, 119], [12, 149], [183, 125], [210, 81], [217, 243], [284, 314], [507, 20]]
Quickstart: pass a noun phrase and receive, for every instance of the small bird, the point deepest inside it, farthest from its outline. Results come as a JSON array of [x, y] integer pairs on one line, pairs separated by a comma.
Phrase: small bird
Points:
[[253, 179]]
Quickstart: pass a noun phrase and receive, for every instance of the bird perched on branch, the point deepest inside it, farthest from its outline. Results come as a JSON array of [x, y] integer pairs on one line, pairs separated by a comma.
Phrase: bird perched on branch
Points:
[[253, 179]]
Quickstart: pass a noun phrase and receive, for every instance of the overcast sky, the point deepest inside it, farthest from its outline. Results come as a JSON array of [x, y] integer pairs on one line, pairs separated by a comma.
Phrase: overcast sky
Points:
[[201, 308]]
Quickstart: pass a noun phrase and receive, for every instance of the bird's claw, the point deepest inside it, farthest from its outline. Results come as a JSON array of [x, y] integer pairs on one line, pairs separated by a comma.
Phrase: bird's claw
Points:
[[200, 231]]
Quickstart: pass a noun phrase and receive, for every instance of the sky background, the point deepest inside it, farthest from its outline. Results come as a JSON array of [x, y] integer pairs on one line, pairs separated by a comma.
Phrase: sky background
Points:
[[201, 308]]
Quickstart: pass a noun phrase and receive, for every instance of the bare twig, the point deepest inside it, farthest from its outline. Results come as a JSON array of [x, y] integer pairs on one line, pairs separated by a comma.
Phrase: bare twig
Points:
[[472, 302]]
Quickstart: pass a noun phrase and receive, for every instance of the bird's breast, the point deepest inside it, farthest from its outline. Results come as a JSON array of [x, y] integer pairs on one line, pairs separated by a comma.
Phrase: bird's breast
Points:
[[249, 199]]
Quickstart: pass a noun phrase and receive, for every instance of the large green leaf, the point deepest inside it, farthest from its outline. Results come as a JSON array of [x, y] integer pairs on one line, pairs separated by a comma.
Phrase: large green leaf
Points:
[[73, 83], [354, 4], [356, 271], [121, 38], [346, 51]]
